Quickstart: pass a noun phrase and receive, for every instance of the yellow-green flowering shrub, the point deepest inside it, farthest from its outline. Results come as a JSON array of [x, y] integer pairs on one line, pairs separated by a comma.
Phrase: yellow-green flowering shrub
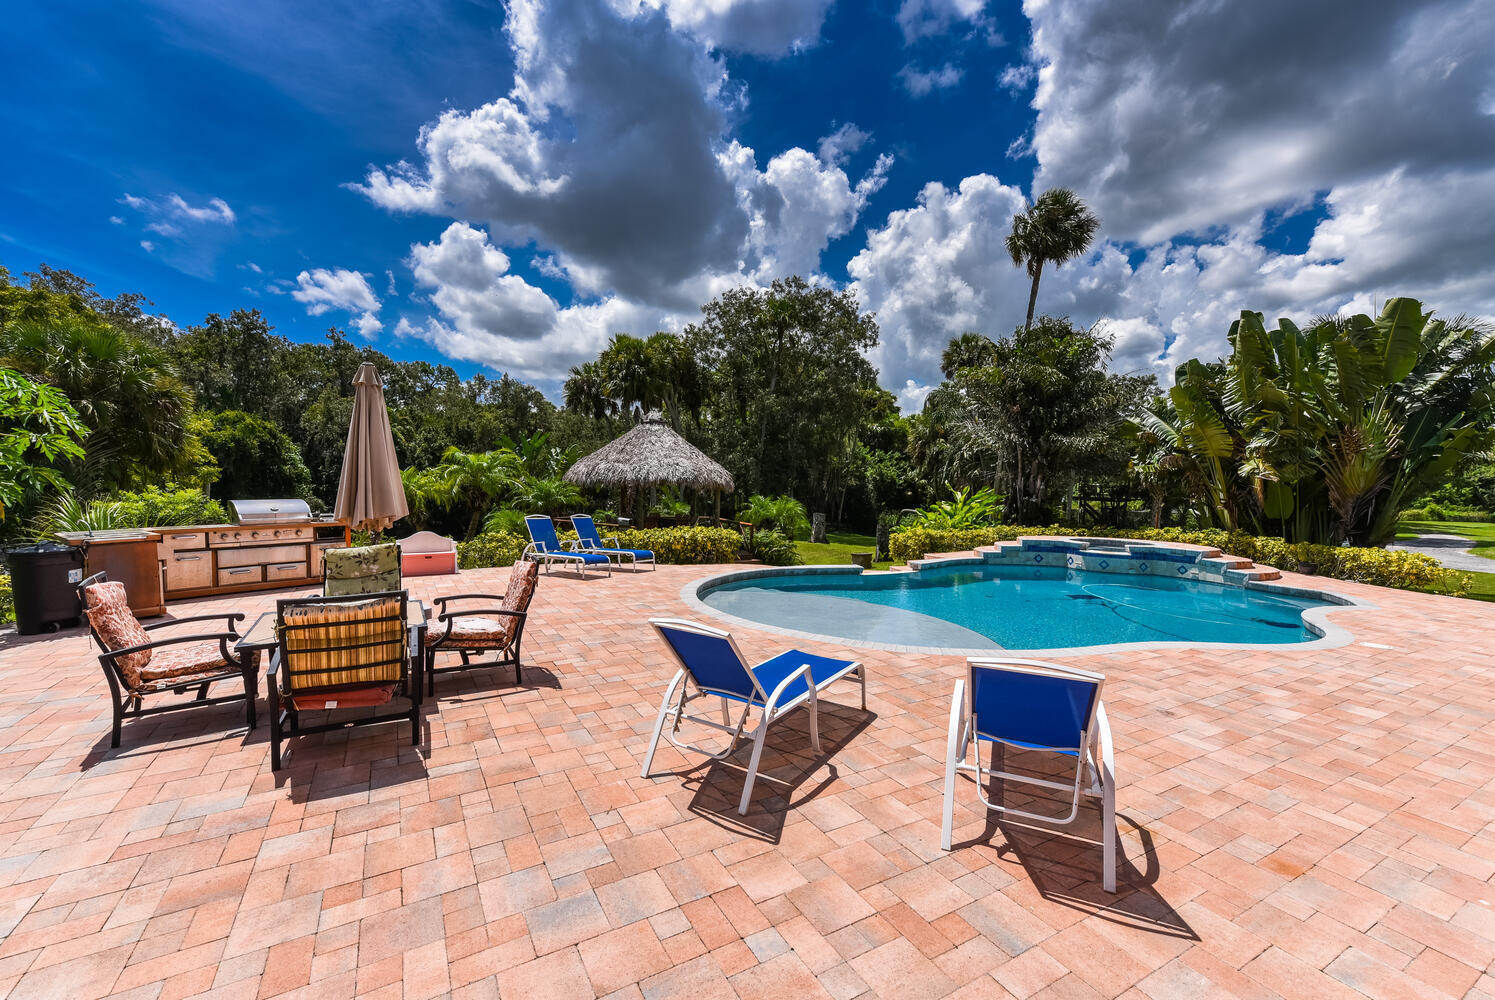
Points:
[[7, 601], [495, 548], [1383, 568], [681, 546]]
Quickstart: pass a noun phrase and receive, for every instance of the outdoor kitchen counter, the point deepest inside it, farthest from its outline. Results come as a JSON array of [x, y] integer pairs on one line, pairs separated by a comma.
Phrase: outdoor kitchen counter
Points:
[[201, 560], [129, 556]]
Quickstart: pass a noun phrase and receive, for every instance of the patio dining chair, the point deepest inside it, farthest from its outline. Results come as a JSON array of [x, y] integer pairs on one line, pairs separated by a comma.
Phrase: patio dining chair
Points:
[[545, 547], [137, 664], [588, 540], [338, 653], [497, 628], [361, 569], [712, 666], [1034, 706]]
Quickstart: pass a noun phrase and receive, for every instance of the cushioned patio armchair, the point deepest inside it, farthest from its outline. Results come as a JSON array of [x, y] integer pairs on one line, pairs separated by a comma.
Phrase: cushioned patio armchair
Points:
[[497, 627], [137, 664], [362, 569], [340, 653]]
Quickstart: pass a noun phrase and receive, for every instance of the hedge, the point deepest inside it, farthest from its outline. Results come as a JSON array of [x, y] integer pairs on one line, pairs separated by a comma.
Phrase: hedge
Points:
[[7, 601], [1383, 568], [684, 546], [496, 548], [669, 545]]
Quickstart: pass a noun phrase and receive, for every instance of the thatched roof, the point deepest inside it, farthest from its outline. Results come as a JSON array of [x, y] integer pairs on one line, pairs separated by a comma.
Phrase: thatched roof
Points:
[[650, 455]]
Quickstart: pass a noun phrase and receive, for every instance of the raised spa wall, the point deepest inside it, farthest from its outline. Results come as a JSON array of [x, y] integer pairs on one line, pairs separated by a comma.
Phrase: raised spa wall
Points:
[[1113, 555]]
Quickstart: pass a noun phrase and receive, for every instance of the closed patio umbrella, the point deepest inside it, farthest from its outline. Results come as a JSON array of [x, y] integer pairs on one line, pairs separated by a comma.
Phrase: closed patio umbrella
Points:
[[370, 496]]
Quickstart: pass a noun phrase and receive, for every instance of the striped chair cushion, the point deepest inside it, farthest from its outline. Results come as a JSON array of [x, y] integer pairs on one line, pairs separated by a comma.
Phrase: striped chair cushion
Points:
[[347, 645]]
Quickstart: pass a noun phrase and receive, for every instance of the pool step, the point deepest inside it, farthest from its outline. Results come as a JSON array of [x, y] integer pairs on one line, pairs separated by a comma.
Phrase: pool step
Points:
[[1214, 563]]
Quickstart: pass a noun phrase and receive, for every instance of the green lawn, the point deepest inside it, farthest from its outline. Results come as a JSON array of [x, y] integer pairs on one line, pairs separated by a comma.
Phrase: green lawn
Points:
[[1480, 533], [838, 549]]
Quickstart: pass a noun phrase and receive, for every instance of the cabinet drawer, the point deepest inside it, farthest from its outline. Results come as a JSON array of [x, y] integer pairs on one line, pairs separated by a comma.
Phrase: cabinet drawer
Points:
[[187, 540], [238, 576], [189, 570], [317, 552], [286, 571], [260, 555]]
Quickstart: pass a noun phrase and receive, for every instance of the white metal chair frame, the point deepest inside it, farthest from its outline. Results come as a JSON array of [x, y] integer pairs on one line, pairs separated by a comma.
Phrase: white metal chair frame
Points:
[[1094, 754], [772, 709]]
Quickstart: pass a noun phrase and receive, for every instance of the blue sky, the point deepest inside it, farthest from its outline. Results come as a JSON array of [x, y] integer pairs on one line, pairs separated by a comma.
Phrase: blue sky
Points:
[[501, 188]]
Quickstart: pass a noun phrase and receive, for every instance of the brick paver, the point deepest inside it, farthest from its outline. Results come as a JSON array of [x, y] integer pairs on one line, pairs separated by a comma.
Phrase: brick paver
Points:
[[1296, 824]]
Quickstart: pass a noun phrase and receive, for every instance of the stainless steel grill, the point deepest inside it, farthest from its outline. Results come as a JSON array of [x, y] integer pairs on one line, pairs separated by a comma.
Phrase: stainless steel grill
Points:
[[268, 511]]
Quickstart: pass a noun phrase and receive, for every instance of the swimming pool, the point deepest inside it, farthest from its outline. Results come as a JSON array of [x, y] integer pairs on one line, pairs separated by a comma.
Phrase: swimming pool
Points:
[[970, 605]]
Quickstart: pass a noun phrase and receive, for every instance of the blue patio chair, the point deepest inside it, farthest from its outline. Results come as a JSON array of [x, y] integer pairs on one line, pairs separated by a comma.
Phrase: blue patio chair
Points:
[[545, 547], [1039, 706], [712, 665], [589, 541]]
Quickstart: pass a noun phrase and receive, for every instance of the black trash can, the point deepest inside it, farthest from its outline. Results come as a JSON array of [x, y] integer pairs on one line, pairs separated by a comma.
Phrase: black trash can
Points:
[[43, 579]]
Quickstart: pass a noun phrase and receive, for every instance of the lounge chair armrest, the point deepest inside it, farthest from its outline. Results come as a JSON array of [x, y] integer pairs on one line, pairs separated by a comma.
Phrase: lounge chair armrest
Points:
[[773, 699], [231, 618], [1106, 759], [612, 540], [223, 637], [274, 668]]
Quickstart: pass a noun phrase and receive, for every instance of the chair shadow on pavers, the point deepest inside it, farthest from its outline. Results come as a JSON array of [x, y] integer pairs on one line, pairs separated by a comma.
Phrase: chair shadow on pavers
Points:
[[483, 683], [790, 773], [150, 736], [1061, 861], [354, 760]]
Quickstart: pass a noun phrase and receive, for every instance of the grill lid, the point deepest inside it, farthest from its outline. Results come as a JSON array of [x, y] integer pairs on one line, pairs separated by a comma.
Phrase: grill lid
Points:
[[262, 511]]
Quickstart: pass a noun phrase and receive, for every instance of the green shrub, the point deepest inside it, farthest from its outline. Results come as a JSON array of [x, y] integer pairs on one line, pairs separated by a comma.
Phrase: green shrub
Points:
[[492, 548], [773, 548], [504, 519], [1438, 512], [684, 546], [1383, 568], [963, 511], [155, 507], [7, 601]]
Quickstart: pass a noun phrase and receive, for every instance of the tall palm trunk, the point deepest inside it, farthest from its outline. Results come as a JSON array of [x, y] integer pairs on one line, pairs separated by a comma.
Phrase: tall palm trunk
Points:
[[1035, 268]]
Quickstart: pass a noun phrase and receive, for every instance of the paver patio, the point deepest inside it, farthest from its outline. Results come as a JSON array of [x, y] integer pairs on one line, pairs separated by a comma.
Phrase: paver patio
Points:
[[1295, 824]]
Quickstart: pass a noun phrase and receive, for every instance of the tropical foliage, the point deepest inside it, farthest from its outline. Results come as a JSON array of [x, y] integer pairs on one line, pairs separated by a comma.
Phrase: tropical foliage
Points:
[[965, 509], [1325, 434], [1028, 414], [39, 429], [785, 513], [774, 548]]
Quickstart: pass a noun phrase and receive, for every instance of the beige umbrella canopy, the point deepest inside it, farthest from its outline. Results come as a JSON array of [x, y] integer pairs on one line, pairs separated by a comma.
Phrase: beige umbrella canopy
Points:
[[650, 455], [370, 496]]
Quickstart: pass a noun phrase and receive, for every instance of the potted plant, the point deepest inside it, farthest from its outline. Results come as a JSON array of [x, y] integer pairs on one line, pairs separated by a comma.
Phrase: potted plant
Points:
[[1306, 565]]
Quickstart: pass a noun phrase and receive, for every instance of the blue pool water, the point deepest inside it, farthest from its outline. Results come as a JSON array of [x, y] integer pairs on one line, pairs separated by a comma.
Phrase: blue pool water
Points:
[[960, 607]]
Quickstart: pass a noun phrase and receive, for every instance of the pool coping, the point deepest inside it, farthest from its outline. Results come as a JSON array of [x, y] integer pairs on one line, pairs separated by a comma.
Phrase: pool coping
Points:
[[1330, 634]]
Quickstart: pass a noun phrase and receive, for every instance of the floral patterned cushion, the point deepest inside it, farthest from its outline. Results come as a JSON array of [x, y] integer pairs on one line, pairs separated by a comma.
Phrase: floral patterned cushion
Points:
[[109, 613], [181, 661], [480, 633], [522, 580], [364, 569]]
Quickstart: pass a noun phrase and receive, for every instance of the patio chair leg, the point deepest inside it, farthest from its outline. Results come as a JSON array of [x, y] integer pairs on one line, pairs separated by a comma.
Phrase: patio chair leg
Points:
[[814, 708], [119, 718], [953, 744], [664, 711], [1107, 768], [274, 725], [752, 771]]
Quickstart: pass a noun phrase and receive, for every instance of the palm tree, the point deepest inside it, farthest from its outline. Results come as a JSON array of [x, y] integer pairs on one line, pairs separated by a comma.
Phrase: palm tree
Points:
[[1055, 228], [126, 391], [586, 391], [476, 480]]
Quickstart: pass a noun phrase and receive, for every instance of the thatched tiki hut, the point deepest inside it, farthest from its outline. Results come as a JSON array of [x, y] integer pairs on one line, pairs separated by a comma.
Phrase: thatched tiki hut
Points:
[[650, 455]]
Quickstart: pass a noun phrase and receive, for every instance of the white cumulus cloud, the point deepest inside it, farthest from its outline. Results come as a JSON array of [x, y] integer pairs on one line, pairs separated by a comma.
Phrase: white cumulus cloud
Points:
[[322, 290]]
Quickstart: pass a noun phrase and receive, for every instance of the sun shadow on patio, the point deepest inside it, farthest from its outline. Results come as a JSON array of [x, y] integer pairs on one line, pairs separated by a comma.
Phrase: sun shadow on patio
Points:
[[787, 764], [1064, 862], [482, 682]]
